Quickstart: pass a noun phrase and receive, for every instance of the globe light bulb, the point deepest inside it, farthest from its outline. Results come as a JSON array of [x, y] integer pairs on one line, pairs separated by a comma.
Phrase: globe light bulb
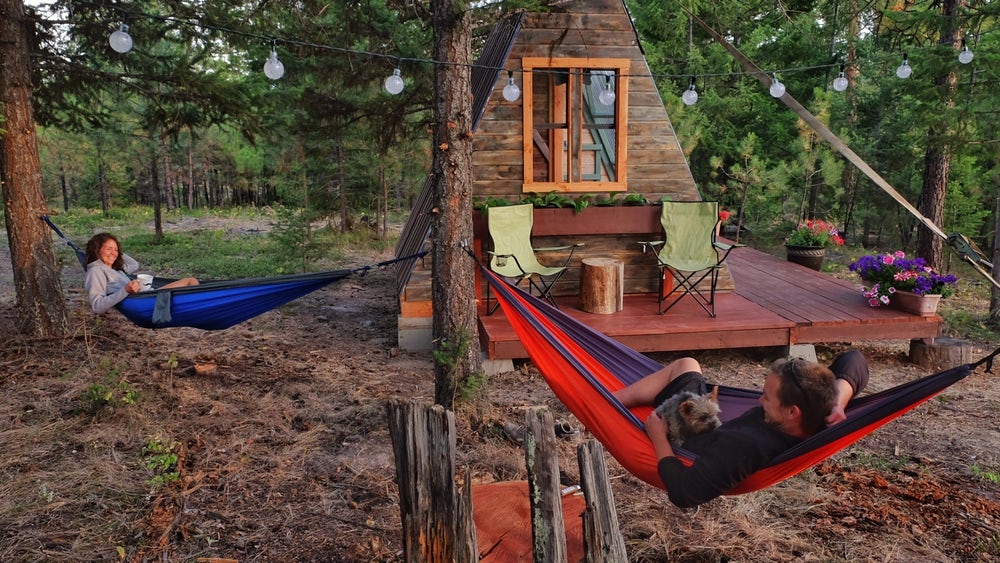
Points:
[[690, 96], [394, 83], [273, 68], [965, 57], [511, 92], [840, 83], [904, 70], [607, 95], [120, 40], [777, 89]]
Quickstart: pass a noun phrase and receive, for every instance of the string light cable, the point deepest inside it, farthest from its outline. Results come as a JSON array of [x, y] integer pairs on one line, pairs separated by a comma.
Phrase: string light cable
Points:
[[273, 64]]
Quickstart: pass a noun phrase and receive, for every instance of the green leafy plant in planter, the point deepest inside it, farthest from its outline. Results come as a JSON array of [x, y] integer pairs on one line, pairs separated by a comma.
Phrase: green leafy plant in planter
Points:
[[553, 199]]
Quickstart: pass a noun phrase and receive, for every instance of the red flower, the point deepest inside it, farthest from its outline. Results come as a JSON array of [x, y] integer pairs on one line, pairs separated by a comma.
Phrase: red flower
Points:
[[724, 215]]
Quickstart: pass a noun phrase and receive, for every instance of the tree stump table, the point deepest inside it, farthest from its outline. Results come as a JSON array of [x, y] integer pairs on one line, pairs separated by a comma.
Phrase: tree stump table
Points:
[[602, 283]]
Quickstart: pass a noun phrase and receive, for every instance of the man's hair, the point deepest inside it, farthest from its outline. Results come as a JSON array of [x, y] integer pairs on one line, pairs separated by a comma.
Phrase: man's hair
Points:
[[93, 250], [809, 386]]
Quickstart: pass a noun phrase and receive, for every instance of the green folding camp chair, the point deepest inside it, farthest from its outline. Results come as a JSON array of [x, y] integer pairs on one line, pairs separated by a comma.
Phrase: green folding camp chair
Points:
[[514, 258], [690, 253]]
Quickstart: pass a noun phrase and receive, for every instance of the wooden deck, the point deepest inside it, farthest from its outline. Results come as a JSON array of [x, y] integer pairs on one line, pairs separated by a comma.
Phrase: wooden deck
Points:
[[775, 303]]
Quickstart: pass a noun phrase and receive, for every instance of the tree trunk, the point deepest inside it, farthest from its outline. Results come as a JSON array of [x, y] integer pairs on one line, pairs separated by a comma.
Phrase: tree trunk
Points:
[[994, 317], [41, 308], [191, 176], [102, 180], [154, 184], [937, 158], [456, 337], [937, 163]]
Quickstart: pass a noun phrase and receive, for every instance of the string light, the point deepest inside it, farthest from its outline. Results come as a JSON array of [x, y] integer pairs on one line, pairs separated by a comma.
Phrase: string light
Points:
[[690, 96], [273, 68], [120, 40], [777, 89], [965, 57], [511, 92], [394, 83], [840, 83], [904, 69], [607, 95]]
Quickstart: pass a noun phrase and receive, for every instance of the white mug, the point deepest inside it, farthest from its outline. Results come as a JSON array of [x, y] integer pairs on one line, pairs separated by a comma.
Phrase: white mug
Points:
[[145, 281]]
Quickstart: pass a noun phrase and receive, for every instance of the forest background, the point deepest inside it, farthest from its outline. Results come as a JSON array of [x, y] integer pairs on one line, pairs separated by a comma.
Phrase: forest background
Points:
[[187, 119]]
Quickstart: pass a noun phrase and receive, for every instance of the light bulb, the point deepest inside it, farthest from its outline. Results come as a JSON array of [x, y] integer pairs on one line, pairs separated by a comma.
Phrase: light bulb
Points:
[[394, 83], [777, 89], [965, 57], [273, 68], [511, 92], [690, 96], [840, 83], [904, 69], [607, 95], [120, 40]]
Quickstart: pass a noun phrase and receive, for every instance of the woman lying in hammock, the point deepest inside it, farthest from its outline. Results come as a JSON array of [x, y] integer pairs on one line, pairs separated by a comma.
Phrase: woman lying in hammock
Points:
[[108, 269], [800, 398]]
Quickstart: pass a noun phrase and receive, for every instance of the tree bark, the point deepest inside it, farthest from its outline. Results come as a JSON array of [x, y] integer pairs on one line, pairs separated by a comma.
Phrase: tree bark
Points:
[[937, 158], [994, 317], [456, 337], [41, 307]]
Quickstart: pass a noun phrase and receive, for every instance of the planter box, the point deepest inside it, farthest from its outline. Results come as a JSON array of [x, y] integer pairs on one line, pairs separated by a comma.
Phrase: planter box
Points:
[[923, 305], [618, 220]]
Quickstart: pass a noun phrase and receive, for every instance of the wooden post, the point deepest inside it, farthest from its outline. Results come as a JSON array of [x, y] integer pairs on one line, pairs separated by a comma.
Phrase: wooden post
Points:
[[602, 538], [602, 282], [547, 526], [423, 442], [467, 550]]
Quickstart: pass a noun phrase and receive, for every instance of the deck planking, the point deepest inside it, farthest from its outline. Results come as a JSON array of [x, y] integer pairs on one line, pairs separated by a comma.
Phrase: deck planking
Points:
[[775, 303]]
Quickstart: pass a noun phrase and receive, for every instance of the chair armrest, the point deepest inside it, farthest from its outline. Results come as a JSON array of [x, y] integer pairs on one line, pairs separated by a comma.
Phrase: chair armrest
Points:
[[649, 243], [727, 247]]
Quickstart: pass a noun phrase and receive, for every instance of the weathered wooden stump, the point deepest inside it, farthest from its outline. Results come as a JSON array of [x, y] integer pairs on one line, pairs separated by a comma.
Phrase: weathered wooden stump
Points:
[[939, 353], [602, 282]]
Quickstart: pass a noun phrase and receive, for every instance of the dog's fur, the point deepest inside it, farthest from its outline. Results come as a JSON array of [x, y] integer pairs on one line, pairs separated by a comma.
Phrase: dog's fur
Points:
[[689, 414]]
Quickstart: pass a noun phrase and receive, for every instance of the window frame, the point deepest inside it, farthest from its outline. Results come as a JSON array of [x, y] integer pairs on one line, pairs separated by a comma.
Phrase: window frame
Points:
[[621, 68]]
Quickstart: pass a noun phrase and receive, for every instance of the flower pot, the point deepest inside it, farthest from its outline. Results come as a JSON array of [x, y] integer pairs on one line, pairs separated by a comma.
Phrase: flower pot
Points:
[[809, 256], [923, 305]]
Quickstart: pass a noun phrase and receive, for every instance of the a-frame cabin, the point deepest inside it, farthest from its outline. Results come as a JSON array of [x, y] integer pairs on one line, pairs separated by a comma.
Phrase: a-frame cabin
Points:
[[564, 134]]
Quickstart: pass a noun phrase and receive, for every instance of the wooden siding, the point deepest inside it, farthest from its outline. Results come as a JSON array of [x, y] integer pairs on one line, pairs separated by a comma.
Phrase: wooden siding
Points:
[[590, 29]]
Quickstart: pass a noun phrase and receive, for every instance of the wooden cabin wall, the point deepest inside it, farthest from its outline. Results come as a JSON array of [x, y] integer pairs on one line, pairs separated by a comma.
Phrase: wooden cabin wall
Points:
[[657, 166]]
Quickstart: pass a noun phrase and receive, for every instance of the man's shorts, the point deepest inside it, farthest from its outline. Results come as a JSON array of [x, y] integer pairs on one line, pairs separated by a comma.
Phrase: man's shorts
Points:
[[689, 381]]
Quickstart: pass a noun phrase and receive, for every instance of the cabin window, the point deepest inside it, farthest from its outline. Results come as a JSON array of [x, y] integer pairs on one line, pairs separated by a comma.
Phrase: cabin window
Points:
[[575, 124]]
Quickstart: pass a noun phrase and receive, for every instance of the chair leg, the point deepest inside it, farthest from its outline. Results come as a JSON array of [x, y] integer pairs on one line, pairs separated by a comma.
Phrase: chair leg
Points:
[[545, 289], [687, 285]]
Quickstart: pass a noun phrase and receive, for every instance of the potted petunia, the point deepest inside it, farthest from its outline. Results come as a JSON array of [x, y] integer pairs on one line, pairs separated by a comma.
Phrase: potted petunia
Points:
[[807, 244], [908, 284]]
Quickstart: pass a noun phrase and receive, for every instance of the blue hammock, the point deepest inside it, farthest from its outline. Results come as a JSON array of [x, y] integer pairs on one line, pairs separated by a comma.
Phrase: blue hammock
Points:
[[216, 305]]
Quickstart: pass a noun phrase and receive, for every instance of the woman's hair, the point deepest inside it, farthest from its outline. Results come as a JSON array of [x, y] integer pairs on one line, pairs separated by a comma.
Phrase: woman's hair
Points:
[[93, 251], [809, 386]]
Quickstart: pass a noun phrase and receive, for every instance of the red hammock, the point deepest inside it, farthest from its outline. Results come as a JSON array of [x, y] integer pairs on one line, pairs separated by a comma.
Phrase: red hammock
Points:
[[583, 367]]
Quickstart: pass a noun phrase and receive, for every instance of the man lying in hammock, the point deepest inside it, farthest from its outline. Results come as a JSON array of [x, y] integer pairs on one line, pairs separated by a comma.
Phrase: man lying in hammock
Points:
[[108, 268], [800, 398]]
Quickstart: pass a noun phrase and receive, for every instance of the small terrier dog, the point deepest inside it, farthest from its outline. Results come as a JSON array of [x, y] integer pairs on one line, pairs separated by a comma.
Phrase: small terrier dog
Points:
[[689, 414]]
